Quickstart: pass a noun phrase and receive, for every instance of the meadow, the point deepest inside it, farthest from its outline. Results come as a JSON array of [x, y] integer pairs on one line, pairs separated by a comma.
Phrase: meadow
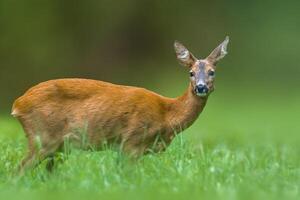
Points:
[[239, 148]]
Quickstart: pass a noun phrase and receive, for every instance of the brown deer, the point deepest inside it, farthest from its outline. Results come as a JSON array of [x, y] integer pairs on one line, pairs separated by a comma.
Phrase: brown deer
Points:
[[136, 119]]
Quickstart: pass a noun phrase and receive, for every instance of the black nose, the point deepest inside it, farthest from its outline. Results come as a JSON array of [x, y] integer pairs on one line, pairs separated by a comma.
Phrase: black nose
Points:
[[201, 89]]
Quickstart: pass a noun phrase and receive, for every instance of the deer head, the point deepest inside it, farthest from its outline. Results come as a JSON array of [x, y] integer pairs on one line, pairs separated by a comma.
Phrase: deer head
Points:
[[202, 71]]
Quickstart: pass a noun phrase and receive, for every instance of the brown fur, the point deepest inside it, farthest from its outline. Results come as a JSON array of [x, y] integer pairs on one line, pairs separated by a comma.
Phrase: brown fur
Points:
[[131, 116], [136, 119]]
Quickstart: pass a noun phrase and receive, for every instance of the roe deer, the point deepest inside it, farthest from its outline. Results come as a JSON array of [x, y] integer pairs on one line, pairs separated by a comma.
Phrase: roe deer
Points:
[[130, 117]]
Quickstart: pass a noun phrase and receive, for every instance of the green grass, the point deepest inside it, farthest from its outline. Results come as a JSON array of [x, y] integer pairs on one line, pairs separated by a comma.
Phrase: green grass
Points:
[[240, 148]]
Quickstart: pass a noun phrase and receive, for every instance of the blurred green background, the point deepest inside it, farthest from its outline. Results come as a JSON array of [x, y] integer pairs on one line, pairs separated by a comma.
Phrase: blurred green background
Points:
[[131, 42]]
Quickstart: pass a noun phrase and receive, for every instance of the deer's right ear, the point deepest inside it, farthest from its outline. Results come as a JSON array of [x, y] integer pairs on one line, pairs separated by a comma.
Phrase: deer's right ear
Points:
[[183, 55]]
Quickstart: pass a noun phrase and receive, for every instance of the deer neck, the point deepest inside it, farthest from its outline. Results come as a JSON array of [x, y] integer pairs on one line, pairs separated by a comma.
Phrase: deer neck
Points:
[[185, 109]]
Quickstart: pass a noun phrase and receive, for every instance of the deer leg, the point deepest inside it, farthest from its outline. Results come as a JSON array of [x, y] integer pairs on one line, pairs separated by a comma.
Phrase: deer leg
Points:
[[43, 141], [25, 163], [33, 160], [39, 152], [50, 164], [28, 129]]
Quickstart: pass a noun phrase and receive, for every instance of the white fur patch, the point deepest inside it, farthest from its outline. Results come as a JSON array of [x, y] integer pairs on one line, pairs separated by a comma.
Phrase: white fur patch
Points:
[[224, 47], [15, 113], [184, 55]]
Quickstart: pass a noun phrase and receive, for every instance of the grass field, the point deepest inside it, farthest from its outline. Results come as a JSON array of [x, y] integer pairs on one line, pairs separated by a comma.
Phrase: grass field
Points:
[[241, 147]]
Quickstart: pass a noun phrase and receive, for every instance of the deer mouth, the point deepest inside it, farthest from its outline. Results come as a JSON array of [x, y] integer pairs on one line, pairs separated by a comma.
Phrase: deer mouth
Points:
[[201, 94]]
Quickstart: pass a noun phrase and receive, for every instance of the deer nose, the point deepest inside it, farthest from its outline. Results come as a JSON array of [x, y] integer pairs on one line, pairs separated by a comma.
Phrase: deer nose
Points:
[[201, 88]]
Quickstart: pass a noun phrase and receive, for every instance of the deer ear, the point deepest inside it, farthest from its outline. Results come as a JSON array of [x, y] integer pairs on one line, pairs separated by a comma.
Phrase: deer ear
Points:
[[219, 52], [183, 55]]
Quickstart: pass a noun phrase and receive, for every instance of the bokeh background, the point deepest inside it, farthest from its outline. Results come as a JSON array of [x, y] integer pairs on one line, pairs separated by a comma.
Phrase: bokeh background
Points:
[[131, 42]]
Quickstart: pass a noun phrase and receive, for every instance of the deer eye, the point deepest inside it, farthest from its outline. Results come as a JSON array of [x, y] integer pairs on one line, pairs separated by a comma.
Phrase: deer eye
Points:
[[192, 74], [211, 73]]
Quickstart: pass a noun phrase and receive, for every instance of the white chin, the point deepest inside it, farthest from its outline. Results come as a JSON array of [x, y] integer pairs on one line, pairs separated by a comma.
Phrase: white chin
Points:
[[201, 94]]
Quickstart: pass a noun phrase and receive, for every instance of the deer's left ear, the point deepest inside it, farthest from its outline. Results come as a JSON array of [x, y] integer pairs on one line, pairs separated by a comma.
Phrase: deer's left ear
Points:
[[185, 57], [219, 52]]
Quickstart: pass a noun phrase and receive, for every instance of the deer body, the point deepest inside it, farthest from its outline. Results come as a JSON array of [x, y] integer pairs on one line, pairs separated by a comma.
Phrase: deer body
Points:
[[136, 119]]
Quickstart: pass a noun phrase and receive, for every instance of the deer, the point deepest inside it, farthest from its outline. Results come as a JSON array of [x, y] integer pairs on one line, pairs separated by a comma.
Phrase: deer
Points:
[[135, 119]]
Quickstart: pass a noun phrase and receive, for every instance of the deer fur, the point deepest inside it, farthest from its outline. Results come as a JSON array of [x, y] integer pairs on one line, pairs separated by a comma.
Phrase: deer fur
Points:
[[136, 119]]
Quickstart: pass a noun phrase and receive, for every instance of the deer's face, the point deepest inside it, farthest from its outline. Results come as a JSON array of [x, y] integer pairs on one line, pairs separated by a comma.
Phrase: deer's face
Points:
[[202, 72], [202, 75]]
